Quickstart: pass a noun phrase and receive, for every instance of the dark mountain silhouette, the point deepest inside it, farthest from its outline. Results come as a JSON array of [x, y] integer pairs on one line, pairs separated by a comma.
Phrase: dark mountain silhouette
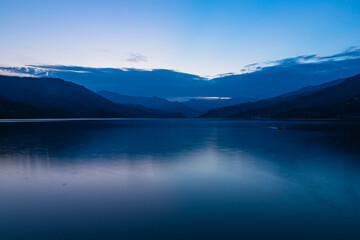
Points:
[[12, 109], [347, 109], [58, 98], [232, 110], [25, 97], [191, 108], [151, 102], [204, 105], [317, 101]]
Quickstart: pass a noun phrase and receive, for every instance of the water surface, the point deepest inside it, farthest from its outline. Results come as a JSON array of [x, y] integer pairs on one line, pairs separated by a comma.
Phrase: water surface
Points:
[[179, 179]]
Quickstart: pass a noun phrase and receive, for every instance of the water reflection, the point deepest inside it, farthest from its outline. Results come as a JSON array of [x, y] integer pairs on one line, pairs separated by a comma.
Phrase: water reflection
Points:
[[181, 179]]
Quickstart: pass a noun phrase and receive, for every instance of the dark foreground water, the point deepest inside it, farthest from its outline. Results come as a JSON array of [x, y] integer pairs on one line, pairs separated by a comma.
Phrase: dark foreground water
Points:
[[179, 179]]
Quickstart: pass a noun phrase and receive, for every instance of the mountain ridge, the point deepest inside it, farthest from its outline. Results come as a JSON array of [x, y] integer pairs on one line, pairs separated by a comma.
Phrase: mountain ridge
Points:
[[59, 98], [321, 96], [150, 102]]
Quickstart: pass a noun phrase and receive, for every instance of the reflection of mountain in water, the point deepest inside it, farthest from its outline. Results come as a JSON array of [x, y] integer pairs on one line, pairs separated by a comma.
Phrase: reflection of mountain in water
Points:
[[139, 179], [114, 139]]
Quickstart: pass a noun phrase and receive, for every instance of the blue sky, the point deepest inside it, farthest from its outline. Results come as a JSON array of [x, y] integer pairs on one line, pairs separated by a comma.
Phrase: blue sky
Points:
[[203, 37]]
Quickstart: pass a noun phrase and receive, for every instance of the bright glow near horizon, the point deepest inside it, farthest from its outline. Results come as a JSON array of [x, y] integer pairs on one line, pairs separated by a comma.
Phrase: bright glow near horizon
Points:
[[205, 37]]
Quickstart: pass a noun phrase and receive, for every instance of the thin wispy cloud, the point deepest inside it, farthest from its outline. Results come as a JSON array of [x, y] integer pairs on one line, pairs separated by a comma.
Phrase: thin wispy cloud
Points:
[[350, 53], [136, 57], [12, 72]]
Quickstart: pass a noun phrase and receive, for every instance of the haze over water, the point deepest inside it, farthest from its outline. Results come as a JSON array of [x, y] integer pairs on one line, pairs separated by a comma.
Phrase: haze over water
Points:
[[184, 178]]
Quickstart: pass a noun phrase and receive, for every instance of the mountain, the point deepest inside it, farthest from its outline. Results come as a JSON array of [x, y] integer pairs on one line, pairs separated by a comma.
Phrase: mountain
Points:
[[258, 81], [151, 102], [58, 98], [204, 105], [190, 108], [315, 101], [311, 89], [347, 109], [12, 109]]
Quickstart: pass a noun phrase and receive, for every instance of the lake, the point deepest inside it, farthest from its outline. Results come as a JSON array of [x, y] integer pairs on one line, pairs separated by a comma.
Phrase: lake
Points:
[[179, 179]]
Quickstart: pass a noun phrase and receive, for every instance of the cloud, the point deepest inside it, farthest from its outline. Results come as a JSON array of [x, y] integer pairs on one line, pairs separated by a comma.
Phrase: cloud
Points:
[[136, 57], [11, 72], [258, 81], [37, 71], [27, 71], [350, 53], [277, 77]]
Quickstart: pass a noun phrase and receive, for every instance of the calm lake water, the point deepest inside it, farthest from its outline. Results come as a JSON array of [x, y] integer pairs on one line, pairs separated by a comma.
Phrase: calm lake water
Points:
[[179, 179]]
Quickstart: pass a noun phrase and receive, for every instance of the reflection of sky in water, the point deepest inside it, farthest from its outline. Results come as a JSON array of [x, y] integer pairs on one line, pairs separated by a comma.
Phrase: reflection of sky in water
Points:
[[189, 177]]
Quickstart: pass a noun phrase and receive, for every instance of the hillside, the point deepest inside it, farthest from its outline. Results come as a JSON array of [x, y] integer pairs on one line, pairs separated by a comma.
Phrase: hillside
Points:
[[12, 109], [150, 102], [204, 105], [316, 101], [58, 98]]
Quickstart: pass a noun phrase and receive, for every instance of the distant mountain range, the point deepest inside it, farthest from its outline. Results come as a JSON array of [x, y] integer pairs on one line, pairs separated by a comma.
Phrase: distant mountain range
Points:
[[204, 105], [26, 97], [151, 102], [190, 108], [336, 99], [257, 81]]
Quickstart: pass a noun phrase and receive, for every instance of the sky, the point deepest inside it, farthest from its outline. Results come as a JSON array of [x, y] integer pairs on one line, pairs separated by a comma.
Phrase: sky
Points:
[[201, 37]]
